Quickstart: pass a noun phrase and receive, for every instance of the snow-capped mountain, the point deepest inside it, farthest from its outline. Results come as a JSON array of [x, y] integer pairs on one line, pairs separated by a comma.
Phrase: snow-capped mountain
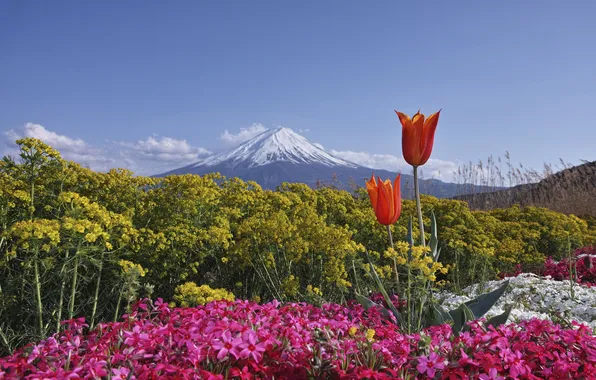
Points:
[[275, 145], [282, 155]]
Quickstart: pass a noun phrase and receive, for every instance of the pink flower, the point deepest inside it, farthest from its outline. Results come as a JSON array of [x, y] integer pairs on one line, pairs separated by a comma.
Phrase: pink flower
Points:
[[120, 373], [227, 345], [517, 366], [492, 375], [96, 367], [251, 348], [429, 365], [243, 374]]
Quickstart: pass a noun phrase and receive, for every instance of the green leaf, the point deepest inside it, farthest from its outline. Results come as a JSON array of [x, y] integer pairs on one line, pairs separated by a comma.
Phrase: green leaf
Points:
[[437, 315], [434, 241], [484, 302], [500, 319], [368, 304], [438, 254], [410, 239], [383, 291], [461, 316], [446, 316]]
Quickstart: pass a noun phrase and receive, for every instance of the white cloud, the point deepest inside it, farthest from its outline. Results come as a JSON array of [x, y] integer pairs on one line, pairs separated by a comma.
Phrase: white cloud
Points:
[[320, 146], [245, 134], [57, 141], [303, 130], [153, 155], [165, 149], [434, 168], [74, 149]]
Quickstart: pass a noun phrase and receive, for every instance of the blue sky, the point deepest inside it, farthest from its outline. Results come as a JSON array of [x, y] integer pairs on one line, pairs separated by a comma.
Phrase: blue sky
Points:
[[152, 85]]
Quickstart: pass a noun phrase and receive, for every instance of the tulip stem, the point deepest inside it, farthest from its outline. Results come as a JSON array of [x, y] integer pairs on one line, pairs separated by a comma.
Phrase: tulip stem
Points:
[[394, 261], [390, 236], [418, 206]]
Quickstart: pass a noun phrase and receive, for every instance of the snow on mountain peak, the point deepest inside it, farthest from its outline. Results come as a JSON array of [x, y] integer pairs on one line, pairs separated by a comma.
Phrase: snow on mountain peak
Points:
[[274, 145]]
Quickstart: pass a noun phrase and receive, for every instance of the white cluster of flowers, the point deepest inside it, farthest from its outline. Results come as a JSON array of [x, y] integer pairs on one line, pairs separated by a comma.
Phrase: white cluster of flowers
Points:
[[533, 296]]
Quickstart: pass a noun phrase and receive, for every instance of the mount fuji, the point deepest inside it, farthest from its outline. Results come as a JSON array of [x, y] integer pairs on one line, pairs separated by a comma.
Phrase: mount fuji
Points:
[[282, 155]]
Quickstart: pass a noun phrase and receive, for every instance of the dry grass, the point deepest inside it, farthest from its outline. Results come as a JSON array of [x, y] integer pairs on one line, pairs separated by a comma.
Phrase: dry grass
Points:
[[565, 188]]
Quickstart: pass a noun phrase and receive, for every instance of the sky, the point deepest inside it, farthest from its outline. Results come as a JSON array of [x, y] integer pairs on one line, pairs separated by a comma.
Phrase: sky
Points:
[[152, 85]]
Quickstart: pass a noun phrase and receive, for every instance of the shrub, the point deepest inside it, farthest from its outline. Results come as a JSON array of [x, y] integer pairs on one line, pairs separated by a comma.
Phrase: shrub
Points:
[[189, 294]]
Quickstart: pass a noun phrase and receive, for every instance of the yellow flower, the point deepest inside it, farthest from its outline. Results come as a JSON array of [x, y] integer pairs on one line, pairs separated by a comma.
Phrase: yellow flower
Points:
[[314, 290], [190, 294], [352, 331], [370, 334]]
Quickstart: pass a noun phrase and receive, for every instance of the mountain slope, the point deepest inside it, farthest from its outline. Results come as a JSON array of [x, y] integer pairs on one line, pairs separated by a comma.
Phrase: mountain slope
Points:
[[281, 155], [271, 146], [571, 191]]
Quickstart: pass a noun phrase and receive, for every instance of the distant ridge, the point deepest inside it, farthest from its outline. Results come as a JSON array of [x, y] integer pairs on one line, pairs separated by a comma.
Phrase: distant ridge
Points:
[[570, 191], [282, 155]]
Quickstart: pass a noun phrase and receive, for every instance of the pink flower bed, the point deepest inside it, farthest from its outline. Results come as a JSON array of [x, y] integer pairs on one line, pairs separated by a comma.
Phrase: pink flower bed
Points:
[[244, 340], [583, 263]]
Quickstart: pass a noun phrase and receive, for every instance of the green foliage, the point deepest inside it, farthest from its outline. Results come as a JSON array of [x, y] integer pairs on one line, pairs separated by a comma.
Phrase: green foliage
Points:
[[422, 311]]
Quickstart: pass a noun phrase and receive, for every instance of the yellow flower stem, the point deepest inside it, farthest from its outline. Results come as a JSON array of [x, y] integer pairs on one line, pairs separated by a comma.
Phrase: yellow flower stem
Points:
[[38, 295], [73, 291], [96, 296], [418, 206], [394, 261], [62, 287], [409, 299], [117, 312], [422, 302], [356, 277]]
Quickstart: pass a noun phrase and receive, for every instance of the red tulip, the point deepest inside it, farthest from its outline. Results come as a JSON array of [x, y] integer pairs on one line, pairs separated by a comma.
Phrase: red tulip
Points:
[[385, 199], [418, 136]]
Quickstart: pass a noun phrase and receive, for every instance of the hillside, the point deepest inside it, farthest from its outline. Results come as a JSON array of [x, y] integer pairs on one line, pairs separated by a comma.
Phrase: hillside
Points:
[[570, 191]]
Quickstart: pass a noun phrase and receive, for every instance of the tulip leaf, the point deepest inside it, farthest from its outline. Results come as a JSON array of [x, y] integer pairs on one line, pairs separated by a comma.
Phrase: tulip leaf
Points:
[[484, 302], [434, 241], [437, 315], [410, 239], [383, 291], [368, 304], [500, 319], [461, 316]]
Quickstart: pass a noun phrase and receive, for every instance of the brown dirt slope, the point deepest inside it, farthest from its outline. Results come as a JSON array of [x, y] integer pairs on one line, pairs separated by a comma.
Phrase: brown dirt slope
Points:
[[570, 191]]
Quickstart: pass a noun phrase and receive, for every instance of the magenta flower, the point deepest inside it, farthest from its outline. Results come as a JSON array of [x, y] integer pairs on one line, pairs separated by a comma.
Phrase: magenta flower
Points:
[[429, 365], [492, 375], [120, 373], [517, 366], [227, 345], [251, 348]]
